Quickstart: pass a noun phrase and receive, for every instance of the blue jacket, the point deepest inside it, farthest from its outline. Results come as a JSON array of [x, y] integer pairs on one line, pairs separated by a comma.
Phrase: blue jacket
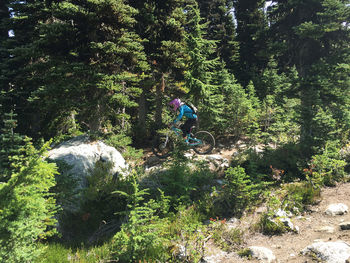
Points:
[[187, 111]]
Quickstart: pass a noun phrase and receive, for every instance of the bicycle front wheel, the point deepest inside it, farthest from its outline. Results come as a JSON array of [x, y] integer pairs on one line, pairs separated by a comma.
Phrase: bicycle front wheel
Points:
[[162, 146], [206, 142]]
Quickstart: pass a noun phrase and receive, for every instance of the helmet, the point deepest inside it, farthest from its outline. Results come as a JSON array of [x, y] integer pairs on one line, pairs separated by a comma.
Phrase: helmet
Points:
[[175, 103]]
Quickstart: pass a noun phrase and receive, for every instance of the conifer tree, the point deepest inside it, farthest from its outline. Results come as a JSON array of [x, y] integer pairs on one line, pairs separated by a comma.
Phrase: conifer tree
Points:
[[161, 24], [27, 208], [315, 37], [202, 68], [93, 62], [74, 63], [251, 35], [10, 145], [4, 35], [219, 16], [18, 56]]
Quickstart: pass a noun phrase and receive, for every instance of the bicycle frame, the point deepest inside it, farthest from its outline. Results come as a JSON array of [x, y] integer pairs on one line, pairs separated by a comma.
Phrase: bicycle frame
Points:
[[191, 141], [202, 142]]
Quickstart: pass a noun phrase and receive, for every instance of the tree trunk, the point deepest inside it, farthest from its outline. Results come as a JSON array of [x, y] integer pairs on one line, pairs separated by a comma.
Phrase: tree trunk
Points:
[[142, 109], [159, 102], [308, 99], [95, 122]]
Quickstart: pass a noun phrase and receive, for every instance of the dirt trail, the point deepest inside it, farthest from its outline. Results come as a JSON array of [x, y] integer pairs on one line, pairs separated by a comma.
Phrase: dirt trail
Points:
[[287, 247]]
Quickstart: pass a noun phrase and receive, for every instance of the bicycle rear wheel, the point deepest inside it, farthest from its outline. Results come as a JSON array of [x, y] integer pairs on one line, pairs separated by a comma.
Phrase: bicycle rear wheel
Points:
[[206, 142], [162, 147]]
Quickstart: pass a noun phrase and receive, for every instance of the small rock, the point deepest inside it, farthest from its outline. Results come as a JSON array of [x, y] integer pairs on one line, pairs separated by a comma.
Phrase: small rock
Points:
[[326, 229], [262, 253], [345, 225], [282, 213], [261, 209], [336, 209]]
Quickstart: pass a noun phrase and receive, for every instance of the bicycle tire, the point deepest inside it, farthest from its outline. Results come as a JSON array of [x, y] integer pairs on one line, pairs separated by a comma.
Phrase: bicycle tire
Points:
[[158, 147], [207, 142]]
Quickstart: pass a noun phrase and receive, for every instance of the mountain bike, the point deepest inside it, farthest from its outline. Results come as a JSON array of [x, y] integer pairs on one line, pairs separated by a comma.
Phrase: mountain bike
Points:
[[202, 142]]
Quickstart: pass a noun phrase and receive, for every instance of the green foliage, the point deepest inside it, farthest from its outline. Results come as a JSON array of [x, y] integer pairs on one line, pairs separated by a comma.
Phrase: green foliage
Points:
[[188, 235], [27, 208], [245, 252], [237, 193], [101, 181], [327, 168], [58, 253], [239, 114], [54, 253], [300, 194], [269, 226], [11, 145], [285, 157], [225, 237], [202, 68], [123, 143], [98, 204], [185, 184], [143, 236]]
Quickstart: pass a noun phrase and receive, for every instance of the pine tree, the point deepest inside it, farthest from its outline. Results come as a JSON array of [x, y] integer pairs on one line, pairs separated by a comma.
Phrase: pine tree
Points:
[[94, 61], [199, 75], [17, 57], [161, 24], [239, 115], [74, 64], [27, 208], [315, 40], [219, 16], [251, 36], [4, 35], [10, 146]]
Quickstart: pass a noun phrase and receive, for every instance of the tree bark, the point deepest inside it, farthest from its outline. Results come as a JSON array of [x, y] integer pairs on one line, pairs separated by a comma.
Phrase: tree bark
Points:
[[159, 102]]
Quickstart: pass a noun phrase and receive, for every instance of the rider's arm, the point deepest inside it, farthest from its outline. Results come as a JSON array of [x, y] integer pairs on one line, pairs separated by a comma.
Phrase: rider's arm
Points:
[[179, 117]]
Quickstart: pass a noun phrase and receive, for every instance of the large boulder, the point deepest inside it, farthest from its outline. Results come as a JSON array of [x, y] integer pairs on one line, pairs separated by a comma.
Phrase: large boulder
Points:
[[330, 252], [79, 156]]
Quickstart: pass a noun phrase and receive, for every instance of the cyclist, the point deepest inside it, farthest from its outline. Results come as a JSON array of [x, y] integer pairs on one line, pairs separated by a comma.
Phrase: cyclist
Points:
[[188, 112]]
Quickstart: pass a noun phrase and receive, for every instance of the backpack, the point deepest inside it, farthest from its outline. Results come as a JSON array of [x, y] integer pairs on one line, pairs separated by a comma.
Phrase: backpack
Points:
[[192, 107]]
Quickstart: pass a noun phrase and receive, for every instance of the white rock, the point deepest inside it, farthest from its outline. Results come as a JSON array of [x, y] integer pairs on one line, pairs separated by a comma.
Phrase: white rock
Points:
[[329, 252], [336, 209], [81, 155], [282, 213], [262, 253], [326, 229]]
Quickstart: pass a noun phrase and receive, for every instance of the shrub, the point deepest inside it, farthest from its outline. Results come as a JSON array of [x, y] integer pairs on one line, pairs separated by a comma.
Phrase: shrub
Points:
[[300, 194], [225, 237], [27, 209], [327, 167], [237, 193], [268, 226], [144, 236], [188, 235]]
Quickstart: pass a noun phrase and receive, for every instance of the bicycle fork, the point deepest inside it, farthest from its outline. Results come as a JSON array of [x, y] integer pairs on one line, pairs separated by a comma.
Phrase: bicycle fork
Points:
[[163, 145]]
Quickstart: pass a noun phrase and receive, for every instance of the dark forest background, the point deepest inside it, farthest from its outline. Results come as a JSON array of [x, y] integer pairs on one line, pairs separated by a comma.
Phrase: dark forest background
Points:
[[274, 73]]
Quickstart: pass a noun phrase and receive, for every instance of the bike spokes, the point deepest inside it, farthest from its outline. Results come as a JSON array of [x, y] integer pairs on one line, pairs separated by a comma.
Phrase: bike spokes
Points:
[[162, 146], [203, 142]]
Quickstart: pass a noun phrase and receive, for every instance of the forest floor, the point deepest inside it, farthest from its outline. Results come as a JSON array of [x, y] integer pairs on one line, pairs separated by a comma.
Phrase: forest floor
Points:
[[287, 247]]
